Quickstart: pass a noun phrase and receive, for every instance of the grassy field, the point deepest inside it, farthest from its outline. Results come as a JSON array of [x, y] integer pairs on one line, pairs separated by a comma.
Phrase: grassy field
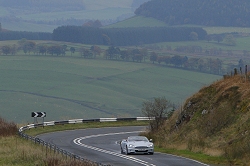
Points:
[[25, 26], [3, 11], [73, 87], [93, 9], [101, 14], [219, 30], [138, 21], [241, 44]]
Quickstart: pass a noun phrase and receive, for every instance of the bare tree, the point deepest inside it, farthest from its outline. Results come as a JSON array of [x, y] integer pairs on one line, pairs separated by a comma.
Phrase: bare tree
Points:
[[160, 108]]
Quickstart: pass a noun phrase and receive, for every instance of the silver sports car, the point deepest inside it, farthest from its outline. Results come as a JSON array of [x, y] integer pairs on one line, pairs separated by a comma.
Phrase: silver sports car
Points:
[[137, 144]]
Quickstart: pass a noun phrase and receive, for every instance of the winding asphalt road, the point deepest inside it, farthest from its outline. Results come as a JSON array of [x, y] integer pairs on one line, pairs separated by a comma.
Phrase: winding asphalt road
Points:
[[101, 145]]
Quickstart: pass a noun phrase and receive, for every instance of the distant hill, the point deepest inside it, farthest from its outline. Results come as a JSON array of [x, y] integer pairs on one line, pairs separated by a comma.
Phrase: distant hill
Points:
[[199, 12], [62, 5], [214, 121], [46, 15]]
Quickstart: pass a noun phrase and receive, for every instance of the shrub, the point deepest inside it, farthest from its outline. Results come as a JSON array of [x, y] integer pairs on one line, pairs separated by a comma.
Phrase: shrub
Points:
[[7, 128], [239, 149]]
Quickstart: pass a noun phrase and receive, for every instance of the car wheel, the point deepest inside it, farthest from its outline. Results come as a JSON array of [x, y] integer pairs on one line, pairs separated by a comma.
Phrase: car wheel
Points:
[[151, 153], [121, 150], [126, 152]]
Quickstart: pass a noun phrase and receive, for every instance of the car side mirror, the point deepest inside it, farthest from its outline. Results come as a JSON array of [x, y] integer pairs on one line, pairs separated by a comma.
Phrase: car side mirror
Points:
[[150, 140]]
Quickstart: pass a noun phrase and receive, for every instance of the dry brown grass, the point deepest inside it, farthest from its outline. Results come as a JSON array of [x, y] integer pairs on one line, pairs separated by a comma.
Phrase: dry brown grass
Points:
[[7, 128], [54, 161], [20, 152]]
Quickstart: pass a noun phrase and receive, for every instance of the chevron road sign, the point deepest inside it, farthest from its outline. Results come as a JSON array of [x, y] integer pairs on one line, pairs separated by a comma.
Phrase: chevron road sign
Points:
[[38, 114]]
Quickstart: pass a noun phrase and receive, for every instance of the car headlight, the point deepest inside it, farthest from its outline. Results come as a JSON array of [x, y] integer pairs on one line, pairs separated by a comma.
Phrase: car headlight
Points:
[[131, 145], [150, 146]]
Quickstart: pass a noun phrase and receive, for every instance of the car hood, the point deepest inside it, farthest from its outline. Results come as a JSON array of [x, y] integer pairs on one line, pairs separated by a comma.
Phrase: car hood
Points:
[[140, 143]]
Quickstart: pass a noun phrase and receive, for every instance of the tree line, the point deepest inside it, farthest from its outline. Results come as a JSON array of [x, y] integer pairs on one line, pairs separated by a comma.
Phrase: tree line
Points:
[[199, 12], [206, 65], [31, 47], [138, 55], [126, 36]]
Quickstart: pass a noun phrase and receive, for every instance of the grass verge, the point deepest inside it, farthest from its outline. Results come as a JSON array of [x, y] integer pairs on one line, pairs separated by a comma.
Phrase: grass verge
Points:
[[213, 160], [16, 151]]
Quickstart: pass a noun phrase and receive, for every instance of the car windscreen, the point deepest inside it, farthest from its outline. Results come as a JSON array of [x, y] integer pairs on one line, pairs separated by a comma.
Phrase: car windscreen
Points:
[[137, 139]]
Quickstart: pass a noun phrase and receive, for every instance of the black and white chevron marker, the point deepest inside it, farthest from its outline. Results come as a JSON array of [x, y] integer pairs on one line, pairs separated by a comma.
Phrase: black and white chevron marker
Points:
[[38, 114]]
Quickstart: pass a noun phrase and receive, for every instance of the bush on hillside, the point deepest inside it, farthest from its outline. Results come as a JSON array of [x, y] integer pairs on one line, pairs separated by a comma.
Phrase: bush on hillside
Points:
[[160, 108], [7, 128]]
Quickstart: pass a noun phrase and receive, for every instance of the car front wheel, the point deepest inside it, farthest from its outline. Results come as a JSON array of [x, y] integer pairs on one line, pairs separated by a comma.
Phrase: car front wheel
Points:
[[126, 152], [121, 150]]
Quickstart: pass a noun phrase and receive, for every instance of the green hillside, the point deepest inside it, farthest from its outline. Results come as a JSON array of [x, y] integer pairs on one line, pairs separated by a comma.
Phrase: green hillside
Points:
[[100, 14], [138, 21], [25, 26], [74, 87], [65, 4], [141, 21]]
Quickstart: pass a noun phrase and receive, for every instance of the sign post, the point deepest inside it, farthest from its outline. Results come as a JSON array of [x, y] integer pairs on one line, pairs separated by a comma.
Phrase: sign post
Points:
[[246, 73], [38, 115]]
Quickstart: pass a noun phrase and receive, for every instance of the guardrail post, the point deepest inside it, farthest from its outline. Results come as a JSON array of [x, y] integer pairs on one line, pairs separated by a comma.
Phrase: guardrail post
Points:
[[54, 149]]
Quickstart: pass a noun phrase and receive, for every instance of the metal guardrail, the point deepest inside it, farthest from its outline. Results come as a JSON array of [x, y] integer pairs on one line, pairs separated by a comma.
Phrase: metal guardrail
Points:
[[73, 121]]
